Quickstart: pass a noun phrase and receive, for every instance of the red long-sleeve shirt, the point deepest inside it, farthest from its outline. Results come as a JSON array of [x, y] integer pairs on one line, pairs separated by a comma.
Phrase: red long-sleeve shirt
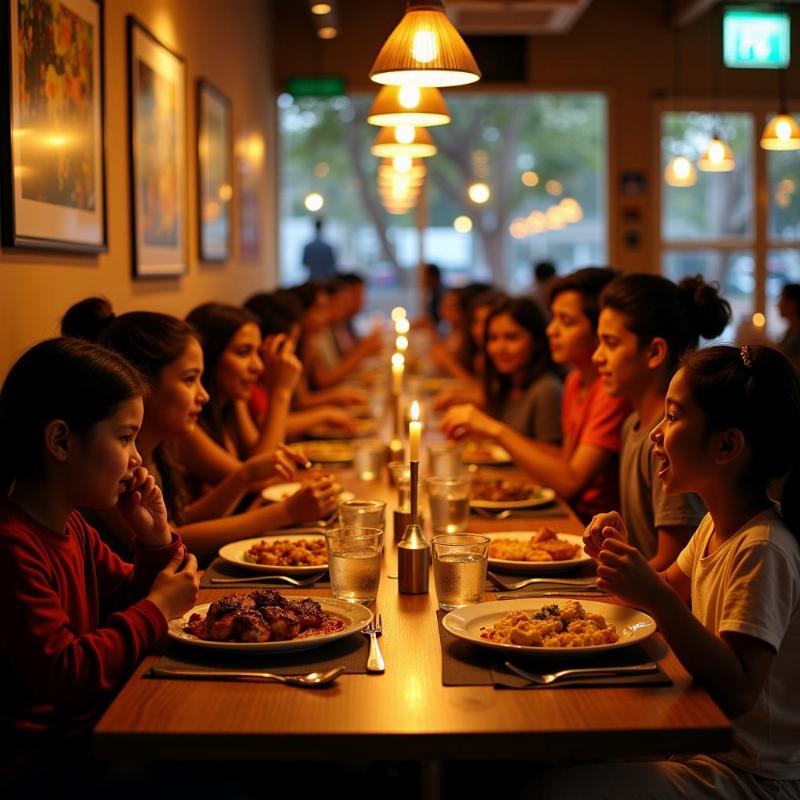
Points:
[[73, 621]]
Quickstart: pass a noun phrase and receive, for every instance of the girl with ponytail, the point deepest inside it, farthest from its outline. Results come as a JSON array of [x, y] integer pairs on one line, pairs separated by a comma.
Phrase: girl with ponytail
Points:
[[730, 605], [646, 324]]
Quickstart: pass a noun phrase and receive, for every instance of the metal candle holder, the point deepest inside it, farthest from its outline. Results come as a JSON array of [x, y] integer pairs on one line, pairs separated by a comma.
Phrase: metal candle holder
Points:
[[414, 492], [413, 551]]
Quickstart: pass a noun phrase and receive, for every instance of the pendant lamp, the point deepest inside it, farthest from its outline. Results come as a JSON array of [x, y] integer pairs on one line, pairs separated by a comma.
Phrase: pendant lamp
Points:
[[421, 107], [680, 172], [782, 133], [425, 49], [392, 142], [717, 157]]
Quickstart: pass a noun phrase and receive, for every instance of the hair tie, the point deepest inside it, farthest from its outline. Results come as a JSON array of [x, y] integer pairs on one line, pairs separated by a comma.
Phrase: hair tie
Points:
[[745, 352]]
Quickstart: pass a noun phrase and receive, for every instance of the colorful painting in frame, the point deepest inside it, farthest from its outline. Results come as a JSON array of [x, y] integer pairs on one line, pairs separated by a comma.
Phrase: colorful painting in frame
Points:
[[158, 158], [53, 136], [214, 172]]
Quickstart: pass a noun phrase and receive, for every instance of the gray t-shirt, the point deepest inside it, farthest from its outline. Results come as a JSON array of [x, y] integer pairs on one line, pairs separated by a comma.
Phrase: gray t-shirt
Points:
[[645, 505], [537, 412]]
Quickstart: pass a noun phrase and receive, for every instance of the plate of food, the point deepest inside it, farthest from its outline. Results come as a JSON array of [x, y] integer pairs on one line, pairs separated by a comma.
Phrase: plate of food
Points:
[[329, 451], [505, 493], [485, 453], [562, 627], [363, 427], [264, 620], [290, 554], [279, 492], [542, 552]]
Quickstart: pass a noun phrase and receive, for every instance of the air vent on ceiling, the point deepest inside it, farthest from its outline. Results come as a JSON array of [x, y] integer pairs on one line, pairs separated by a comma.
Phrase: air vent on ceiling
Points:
[[524, 17]]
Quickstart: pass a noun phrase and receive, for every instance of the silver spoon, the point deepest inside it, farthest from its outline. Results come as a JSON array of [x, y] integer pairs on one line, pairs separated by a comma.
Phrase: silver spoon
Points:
[[271, 579], [311, 680]]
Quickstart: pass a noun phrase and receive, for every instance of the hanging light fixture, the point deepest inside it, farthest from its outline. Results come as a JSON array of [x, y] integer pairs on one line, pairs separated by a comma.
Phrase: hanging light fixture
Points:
[[421, 107], [717, 157], [680, 172], [782, 131], [425, 49], [388, 144], [416, 168]]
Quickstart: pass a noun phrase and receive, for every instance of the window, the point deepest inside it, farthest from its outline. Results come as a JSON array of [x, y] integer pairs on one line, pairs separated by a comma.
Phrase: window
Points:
[[542, 155]]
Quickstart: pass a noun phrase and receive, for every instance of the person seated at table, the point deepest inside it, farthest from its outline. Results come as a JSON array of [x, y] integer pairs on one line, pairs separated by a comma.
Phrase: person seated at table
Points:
[[471, 380], [167, 352], [278, 318], [647, 323], [789, 309], [521, 385], [77, 620], [584, 470], [731, 430], [86, 318], [453, 354]]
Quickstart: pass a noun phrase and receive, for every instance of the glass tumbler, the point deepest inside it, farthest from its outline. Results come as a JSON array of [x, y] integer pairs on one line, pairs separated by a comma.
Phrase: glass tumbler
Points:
[[369, 458], [357, 513], [354, 562], [448, 500], [459, 568]]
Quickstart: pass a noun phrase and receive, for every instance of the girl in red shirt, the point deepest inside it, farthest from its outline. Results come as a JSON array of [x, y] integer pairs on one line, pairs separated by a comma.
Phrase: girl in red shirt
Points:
[[76, 619]]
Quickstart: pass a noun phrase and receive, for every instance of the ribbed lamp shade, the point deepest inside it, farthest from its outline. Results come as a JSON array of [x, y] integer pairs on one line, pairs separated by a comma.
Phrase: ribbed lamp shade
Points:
[[408, 105], [425, 49], [386, 144], [718, 157], [416, 170], [782, 133]]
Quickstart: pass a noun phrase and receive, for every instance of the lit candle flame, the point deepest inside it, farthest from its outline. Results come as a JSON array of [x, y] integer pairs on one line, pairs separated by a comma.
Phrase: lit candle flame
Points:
[[415, 411], [398, 359]]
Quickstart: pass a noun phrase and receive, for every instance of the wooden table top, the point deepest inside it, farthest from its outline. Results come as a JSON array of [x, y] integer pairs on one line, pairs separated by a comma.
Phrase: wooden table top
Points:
[[407, 713]]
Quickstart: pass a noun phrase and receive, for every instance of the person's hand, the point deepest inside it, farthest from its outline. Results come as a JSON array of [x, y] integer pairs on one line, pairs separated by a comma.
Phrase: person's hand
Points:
[[337, 418], [462, 421], [143, 508], [282, 368], [624, 571], [174, 591], [349, 396], [280, 463], [315, 500], [600, 528]]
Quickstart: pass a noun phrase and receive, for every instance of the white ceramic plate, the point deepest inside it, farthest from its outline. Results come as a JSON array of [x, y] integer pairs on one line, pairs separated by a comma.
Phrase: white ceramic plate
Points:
[[468, 622], [331, 451], [281, 491], [355, 616], [539, 497], [486, 453], [234, 552], [537, 567]]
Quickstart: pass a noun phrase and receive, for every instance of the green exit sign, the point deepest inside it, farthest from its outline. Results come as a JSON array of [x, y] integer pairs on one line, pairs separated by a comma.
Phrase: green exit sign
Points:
[[316, 86], [755, 39]]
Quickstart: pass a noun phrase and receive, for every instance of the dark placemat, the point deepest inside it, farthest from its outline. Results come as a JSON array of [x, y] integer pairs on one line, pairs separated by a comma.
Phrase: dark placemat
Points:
[[465, 664], [526, 513], [350, 652], [224, 569]]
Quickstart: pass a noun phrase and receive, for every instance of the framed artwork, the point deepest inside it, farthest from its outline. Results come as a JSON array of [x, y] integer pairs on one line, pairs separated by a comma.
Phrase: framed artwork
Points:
[[214, 173], [158, 159], [52, 132]]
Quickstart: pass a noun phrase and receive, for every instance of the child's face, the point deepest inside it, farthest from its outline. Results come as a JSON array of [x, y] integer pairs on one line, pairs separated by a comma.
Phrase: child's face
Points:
[[103, 460], [620, 362], [508, 344], [175, 403], [570, 334], [685, 452], [240, 364]]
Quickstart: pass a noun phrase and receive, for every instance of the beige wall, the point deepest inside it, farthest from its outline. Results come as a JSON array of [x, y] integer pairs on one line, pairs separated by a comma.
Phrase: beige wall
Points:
[[229, 43], [621, 47]]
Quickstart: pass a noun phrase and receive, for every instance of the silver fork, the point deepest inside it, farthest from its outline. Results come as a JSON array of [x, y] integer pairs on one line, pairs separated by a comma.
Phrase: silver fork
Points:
[[485, 512], [375, 659], [546, 678], [510, 586], [271, 579]]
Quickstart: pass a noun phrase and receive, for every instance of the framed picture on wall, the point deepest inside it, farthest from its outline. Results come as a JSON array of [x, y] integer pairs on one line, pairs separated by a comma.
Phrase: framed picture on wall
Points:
[[214, 173], [158, 159], [52, 131]]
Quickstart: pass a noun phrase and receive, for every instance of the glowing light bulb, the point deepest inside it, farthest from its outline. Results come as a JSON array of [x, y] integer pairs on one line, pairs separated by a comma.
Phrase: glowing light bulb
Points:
[[404, 134], [402, 326], [314, 201], [398, 313], [783, 130], [462, 224], [401, 344], [408, 97], [423, 48], [479, 193], [402, 163]]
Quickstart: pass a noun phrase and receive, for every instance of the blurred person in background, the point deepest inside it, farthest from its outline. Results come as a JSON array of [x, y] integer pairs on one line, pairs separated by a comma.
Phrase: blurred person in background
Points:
[[319, 257]]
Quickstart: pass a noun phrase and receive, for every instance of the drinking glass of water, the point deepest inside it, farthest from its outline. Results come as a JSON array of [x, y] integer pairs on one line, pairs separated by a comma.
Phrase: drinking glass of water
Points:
[[354, 562], [369, 458], [446, 459], [449, 503], [459, 568], [357, 513]]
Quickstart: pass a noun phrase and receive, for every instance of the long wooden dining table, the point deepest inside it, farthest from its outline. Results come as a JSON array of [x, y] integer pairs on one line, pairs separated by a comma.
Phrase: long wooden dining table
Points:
[[407, 712]]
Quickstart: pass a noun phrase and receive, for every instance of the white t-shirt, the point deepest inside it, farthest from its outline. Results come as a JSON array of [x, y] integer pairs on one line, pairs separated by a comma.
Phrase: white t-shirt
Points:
[[751, 585]]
